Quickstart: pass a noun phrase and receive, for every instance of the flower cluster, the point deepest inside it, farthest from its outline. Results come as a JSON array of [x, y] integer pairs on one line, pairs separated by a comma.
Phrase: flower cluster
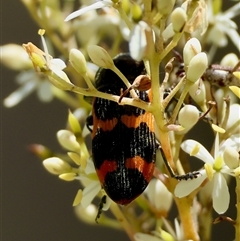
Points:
[[177, 38]]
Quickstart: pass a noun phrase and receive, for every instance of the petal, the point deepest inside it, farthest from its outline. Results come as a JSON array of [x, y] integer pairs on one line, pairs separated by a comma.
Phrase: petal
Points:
[[233, 141], [44, 91], [57, 64], [185, 187], [89, 192], [202, 154], [220, 194], [138, 41], [19, 94], [216, 146], [81, 11]]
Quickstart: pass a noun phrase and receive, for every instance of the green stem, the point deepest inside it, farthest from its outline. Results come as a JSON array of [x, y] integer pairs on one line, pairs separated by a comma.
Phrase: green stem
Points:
[[66, 98], [122, 220], [180, 101], [184, 208], [125, 81], [171, 45]]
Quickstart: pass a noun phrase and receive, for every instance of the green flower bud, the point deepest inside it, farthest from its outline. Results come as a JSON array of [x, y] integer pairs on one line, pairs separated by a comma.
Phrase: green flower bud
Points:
[[78, 61], [191, 48], [178, 18], [136, 12], [198, 92], [187, 117], [230, 59], [74, 123], [100, 57], [197, 66], [165, 6]]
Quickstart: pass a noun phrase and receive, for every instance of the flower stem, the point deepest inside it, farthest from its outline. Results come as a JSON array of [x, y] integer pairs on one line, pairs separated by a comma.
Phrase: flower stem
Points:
[[65, 97], [122, 220], [184, 208]]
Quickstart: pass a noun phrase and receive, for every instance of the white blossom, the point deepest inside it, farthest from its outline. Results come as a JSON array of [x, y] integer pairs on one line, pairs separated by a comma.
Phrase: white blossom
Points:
[[214, 165]]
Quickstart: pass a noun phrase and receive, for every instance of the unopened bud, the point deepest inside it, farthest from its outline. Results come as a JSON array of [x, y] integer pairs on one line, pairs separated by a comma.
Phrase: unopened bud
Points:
[[197, 67], [156, 191], [231, 157], [15, 57], [188, 116], [165, 6], [74, 123], [136, 12], [178, 18], [68, 140], [86, 214], [198, 92], [78, 61], [230, 59], [100, 57], [191, 48], [56, 165]]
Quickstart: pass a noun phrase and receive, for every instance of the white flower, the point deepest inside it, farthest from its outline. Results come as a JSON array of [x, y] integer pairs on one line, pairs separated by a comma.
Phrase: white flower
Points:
[[29, 82], [223, 26], [91, 184], [44, 62], [96, 5], [169, 235], [215, 168]]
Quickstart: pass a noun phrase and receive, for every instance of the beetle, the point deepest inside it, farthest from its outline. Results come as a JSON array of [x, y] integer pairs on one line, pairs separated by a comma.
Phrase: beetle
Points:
[[123, 139]]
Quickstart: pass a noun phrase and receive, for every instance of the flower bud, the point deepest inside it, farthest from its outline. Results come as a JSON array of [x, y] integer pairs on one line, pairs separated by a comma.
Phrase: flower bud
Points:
[[125, 4], [73, 122], [197, 66], [191, 48], [168, 32], [56, 165], [178, 18], [231, 157], [86, 214], [188, 116], [234, 119], [198, 92], [157, 191], [165, 6], [78, 61], [15, 57], [68, 140], [100, 57], [230, 59], [136, 12]]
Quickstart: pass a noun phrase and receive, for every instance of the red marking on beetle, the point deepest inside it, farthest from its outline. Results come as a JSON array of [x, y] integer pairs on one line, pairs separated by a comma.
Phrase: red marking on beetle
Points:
[[106, 125], [106, 167], [135, 121], [141, 165]]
